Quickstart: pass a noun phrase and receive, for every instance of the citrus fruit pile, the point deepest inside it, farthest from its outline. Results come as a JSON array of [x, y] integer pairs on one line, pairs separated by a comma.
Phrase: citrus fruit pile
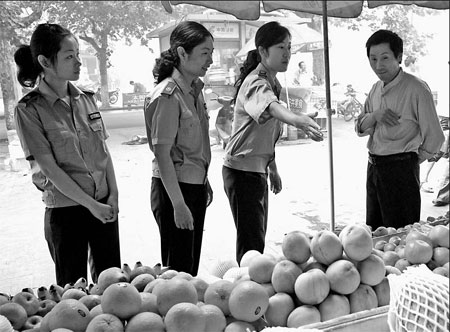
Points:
[[312, 279]]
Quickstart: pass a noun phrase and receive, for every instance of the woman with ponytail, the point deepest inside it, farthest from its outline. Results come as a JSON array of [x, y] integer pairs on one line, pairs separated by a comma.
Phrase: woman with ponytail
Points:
[[177, 129], [257, 126], [63, 138]]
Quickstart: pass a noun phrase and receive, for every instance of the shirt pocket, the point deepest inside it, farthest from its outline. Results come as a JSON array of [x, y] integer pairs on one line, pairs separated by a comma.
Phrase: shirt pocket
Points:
[[97, 129], [189, 125], [63, 144]]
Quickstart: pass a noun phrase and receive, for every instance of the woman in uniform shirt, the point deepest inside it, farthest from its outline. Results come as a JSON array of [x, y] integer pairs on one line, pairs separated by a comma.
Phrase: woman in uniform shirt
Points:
[[257, 126], [63, 137], [177, 128]]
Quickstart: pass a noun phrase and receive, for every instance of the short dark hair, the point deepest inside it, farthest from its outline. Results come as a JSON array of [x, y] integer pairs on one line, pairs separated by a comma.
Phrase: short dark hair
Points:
[[385, 36]]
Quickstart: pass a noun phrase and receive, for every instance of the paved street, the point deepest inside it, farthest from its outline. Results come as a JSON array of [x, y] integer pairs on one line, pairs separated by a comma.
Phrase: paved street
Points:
[[303, 204]]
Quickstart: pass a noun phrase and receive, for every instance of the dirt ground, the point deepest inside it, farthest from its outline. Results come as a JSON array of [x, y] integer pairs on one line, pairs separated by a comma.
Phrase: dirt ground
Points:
[[304, 204]]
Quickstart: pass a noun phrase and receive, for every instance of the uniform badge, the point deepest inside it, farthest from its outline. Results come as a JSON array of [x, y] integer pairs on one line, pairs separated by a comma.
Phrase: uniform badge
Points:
[[94, 116]]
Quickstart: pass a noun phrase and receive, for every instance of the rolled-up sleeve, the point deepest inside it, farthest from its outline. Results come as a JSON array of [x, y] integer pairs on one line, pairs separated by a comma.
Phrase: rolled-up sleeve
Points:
[[430, 128], [360, 119], [258, 96]]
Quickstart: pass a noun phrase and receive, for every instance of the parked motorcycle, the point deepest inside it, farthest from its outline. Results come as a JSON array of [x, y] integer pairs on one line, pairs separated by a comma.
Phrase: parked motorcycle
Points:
[[351, 107], [113, 95], [221, 119]]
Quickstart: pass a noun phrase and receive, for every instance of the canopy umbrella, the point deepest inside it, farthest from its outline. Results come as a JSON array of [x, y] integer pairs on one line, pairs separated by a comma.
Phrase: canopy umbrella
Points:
[[250, 10]]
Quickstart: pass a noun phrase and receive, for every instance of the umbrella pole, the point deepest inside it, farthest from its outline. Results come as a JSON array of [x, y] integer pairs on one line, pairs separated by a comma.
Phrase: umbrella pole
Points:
[[328, 101]]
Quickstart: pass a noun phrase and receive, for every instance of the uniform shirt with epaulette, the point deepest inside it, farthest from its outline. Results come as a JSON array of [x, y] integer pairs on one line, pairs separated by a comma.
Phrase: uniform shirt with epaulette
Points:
[[175, 114], [255, 132], [74, 134]]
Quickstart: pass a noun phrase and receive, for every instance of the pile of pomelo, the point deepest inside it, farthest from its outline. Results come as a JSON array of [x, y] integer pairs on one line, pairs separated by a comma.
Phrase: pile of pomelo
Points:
[[313, 279]]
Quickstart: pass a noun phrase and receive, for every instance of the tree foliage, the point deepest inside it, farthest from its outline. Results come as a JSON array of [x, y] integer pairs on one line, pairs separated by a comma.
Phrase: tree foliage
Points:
[[395, 17], [17, 18], [101, 23]]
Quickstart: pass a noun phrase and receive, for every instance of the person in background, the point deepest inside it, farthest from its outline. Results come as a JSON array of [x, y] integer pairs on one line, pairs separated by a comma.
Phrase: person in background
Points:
[[138, 87], [177, 129], [63, 138], [400, 118], [302, 76], [257, 126]]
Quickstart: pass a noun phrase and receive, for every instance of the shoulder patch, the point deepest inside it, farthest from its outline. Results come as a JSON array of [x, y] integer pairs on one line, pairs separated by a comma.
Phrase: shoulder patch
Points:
[[169, 88], [262, 73], [28, 97]]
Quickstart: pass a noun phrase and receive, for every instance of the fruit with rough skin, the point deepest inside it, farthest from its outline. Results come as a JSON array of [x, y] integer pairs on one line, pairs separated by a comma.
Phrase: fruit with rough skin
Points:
[[122, 300]]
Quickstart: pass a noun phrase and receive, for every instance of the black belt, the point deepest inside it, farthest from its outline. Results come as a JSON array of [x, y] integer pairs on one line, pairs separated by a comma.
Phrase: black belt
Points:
[[379, 160]]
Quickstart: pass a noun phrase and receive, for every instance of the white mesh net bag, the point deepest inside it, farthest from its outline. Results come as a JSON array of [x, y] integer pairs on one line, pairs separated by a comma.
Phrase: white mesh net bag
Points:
[[419, 301]]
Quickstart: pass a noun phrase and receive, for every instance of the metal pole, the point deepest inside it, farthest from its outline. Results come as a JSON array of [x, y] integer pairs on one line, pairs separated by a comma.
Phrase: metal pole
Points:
[[328, 100]]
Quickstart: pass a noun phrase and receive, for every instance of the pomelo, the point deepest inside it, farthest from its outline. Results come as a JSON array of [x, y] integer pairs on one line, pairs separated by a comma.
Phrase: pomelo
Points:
[[174, 291], [284, 275], [248, 301], [280, 306], [218, 293], [185, 317], [145, 321], [343, 276], [383, 292], [215, 319], [296, 247], [371, 270], [335, 305], [303, 315], [105, 323], [363, 298], [248, 256], [326, 247], [312, 287], [357, 242], [261, 268], [122, 300]]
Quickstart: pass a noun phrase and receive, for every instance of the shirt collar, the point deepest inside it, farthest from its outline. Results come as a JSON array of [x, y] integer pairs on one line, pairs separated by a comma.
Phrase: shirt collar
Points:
[[273, 81], [195, 88], [395, 81], [52, 97]]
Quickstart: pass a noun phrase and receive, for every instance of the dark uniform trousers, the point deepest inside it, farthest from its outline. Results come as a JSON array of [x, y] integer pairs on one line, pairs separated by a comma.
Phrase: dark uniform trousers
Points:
[[70, 232], [180, 248], [393, 190], [248, 196]]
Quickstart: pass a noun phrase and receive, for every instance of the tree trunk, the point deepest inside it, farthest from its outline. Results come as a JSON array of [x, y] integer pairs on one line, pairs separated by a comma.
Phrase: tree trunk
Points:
[[104, 78], [8, 84]]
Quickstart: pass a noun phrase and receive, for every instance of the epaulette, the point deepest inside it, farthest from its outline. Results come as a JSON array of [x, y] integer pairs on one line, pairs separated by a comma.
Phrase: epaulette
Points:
[[169, 88], [28, 97], [262, 73]]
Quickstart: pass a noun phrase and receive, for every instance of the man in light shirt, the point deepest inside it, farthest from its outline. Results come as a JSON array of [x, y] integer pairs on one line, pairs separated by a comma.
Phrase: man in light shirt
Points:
[[400, 118]]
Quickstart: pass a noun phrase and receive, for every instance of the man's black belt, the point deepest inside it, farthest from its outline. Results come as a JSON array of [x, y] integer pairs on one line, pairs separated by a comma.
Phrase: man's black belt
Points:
[[380, 160]]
